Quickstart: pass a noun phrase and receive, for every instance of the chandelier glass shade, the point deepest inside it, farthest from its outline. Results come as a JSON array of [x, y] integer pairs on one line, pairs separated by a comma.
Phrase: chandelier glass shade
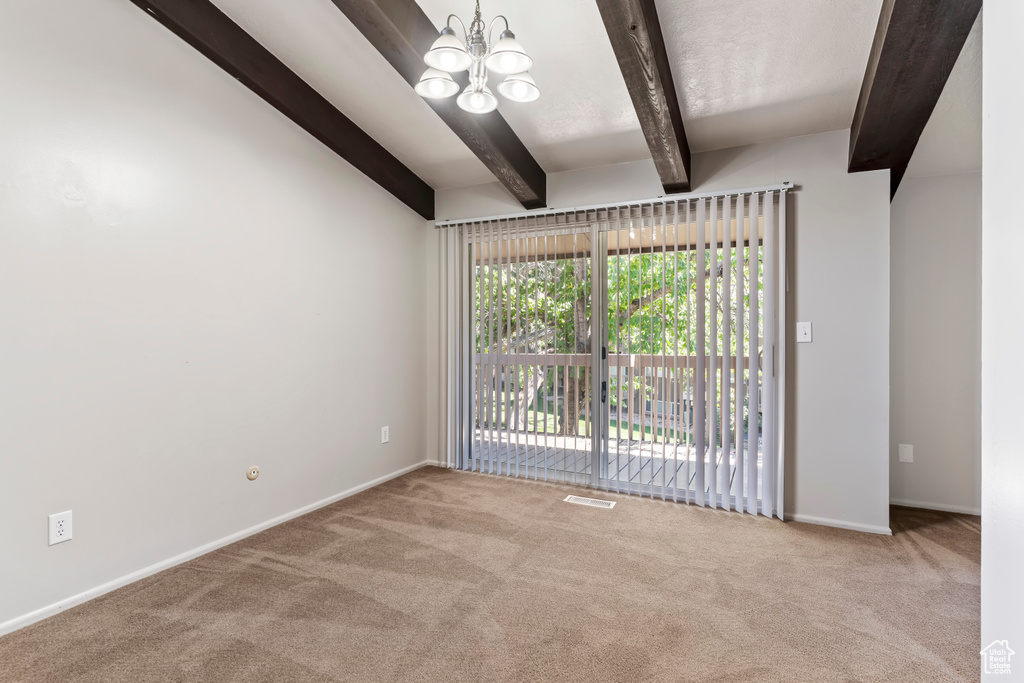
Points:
[[436, 84], [448, 53], [478, 55], [508, 56], [519, 88], [477, 101]]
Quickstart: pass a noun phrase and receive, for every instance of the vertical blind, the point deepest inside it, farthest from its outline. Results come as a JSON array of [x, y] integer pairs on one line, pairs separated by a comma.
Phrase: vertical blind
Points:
[[631, 348]]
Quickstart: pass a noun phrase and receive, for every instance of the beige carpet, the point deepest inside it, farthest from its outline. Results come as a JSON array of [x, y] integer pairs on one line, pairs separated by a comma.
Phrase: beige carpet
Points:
[[444, 576]]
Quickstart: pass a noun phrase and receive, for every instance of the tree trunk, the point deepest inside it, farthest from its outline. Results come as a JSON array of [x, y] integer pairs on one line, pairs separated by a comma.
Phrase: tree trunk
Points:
[[513, 410], [581, 344], [572, 402], [528, 396]]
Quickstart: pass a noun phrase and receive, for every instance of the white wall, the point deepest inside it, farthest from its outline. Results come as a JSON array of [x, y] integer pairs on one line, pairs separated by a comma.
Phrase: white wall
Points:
[[837, 465], [935, 350], [189, 285], [1002, 329]]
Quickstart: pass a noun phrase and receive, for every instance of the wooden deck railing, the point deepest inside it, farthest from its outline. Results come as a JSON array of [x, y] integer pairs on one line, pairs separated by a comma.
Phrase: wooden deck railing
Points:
[[508, 386]]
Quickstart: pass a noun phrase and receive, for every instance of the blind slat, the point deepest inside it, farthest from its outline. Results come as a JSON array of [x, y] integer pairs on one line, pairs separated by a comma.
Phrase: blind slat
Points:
[[725, 468], [677, 403], [713, 301], [700, 392], [768, 362], [740, 364], [752, 369]]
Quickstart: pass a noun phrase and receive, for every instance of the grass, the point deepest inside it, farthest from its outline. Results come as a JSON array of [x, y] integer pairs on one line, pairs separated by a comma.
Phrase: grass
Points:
[[647, 430]]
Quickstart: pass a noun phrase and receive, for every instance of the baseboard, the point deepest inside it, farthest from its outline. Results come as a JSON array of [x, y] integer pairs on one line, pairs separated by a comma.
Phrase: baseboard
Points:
[[840, 524], [961, 509], [57, 607]]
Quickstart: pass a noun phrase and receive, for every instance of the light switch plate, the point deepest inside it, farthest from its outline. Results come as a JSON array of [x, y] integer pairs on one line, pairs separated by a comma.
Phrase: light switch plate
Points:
[[906, 452], [803, 333]]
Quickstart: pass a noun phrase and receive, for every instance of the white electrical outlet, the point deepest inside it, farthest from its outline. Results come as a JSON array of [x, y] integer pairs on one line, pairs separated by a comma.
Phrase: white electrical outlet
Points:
[[906, 452], [385, 435], [60, 527], [803, 333]]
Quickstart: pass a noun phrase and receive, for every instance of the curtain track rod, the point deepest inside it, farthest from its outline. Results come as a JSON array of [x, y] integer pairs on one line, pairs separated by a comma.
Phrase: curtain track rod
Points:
[[633, 202]]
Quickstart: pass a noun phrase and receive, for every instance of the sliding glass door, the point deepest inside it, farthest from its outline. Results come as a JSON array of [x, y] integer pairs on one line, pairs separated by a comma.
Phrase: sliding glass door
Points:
[[633, 349]]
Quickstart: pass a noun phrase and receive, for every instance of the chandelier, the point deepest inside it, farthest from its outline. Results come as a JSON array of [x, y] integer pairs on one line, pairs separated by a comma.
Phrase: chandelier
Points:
[[449, 55]]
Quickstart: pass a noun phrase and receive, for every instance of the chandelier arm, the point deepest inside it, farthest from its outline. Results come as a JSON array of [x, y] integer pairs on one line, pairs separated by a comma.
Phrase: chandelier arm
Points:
[[465, 33], [490, 31]]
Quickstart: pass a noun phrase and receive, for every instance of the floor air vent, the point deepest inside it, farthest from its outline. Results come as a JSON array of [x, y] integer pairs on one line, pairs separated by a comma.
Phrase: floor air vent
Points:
[[592, 502]]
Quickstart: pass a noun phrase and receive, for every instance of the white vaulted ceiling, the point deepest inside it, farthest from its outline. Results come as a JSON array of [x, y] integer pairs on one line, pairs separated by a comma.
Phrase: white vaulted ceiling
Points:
[[755, 70], [745, 71], [316, 41]]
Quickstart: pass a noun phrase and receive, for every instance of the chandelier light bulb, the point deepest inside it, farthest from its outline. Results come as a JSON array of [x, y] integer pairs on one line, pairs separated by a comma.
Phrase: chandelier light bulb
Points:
[[508, 56], [448, 53], [436, 84], [477, 101], [519, 88]]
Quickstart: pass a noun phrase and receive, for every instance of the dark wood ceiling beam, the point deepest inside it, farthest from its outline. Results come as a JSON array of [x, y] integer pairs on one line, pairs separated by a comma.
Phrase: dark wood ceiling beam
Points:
[[635, 34], [211, 32], [916, 45], [402, 33]]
